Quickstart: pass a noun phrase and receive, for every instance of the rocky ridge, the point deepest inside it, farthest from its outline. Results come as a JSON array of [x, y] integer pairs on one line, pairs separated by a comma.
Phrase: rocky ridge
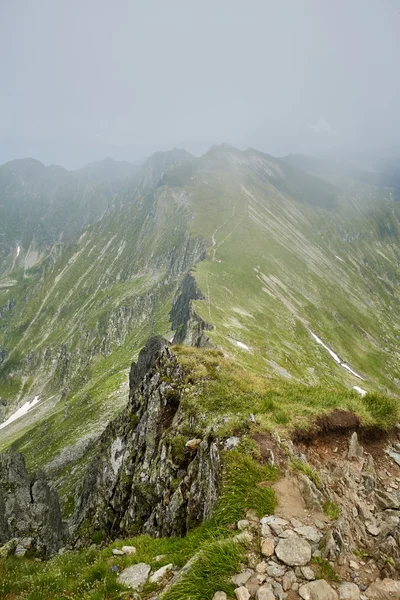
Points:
[[151, 472]]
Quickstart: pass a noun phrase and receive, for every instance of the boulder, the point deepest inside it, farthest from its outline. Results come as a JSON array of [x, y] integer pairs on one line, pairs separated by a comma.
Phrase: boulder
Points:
[[193, 444], [220, 596], [317, 590], [242, 578], [308, 573], [348, 591], [130, 550], [161, 573], [242, 593], [265, 593], [288, 580], [293, 551], [135, 576], [268, 547], [386, 589], [310, 533]]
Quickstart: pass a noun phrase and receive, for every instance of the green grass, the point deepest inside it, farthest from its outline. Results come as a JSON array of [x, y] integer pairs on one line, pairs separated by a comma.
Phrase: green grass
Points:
[[223, 388], [325, 570], [311, 473], [331, 510], [242, 490]]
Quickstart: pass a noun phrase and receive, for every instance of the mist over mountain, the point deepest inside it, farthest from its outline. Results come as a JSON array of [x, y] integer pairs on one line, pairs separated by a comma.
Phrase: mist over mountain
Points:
[[199, 341]]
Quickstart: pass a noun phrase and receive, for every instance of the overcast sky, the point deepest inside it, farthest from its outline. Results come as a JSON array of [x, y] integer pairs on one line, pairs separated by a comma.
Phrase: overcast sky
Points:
[[84, 79]]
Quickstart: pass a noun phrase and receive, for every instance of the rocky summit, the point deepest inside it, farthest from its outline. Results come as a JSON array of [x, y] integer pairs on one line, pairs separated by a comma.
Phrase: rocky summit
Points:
[[199, 390]]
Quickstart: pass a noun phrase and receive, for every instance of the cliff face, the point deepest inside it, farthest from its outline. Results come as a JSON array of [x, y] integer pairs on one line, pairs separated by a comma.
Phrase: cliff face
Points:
[[29, 508], [190, 327], [144, 478]]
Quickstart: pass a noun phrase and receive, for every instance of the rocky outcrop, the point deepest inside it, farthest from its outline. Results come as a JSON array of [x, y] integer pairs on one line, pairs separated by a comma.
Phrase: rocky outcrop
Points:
[[190, 329], [143, 477], [30, 513]]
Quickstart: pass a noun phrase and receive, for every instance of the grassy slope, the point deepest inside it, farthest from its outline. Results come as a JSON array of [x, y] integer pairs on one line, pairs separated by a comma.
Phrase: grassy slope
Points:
[[290, 267]]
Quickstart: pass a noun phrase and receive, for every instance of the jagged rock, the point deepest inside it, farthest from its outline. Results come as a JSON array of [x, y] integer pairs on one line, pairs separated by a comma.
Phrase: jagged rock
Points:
[[385, 500], [276, 524], [278, 590], [328, 546], [386, 589], [268, 547], [372, 529], [317, 590], [242, 578], [161, 573], [253, 583], [131, 480], [355, 450], [135, 576], [261, 567], [312, 497], [308, 573], [309, 533], [287, 533], [348, 591], [293, 551], [29, 507], [130, 550], [394, 455], [265, 593], [266, 531], [242, 593], [243, 525], [288, 580], [275, 570], [117, 552], [220, 596]]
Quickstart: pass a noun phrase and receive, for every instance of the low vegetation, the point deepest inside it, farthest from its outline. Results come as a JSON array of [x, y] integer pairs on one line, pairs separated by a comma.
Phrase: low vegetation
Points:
[[225, 393]]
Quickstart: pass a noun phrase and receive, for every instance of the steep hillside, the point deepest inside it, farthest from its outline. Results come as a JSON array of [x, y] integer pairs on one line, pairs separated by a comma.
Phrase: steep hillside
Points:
[[294, 277]]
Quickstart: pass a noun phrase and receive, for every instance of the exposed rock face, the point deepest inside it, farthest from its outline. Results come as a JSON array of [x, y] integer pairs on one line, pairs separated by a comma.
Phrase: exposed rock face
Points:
[[190, 327], [29, 508], [143, 478]]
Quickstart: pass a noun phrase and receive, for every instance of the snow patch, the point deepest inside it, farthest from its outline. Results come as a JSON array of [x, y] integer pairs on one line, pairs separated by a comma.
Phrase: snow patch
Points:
[[241, 345], [359, 390], [18, 250], [335, 356], [321, 343], [338, 257], [350, 370], [20, 412]]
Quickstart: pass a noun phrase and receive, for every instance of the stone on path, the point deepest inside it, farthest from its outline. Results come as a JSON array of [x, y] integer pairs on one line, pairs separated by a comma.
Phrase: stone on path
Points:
[[295, 552], [242, 593], [348, 591], [317, 590]]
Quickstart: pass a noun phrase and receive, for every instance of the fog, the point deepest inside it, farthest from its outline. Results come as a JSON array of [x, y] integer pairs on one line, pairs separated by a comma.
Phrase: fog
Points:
[[84, 79]]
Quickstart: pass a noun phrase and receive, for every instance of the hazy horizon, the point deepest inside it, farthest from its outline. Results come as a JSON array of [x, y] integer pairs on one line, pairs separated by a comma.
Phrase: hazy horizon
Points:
[[85, 80]]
